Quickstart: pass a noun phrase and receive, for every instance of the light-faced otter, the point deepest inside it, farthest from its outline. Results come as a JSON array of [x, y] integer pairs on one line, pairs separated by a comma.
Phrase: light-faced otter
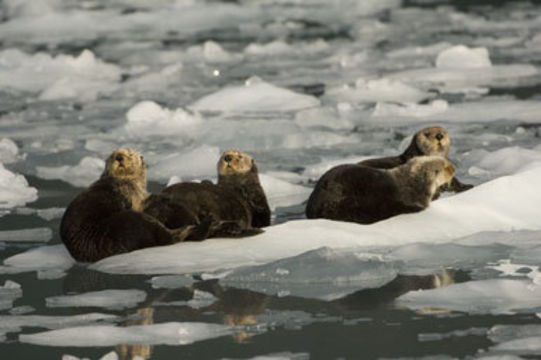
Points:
[[362, 194], [432, 140], [106, 218], [236, 206]]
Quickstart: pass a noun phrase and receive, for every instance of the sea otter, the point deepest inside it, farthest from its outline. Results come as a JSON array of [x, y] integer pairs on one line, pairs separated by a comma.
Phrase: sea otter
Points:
[[362, 194], [236, 206], [432, 140], [106, 218]]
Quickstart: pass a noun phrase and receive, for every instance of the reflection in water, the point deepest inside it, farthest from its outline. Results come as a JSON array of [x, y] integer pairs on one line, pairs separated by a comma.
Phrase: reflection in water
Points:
[[128, 352]]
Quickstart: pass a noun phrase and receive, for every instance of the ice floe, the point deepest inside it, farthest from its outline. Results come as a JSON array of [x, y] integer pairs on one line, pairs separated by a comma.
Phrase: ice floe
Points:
[[110, 299], [504, 161], [15, 323], [83, 174], [82, 77], [9, 152], [254, 96], [493, 296], [199, 300], [148, 118], [463, 57], [40, 258], [277, 356], [46, 214], [283, 193], [281, 48], [9, 292], [14, 189], [190, 164], [171, 333], [505, 204], [26, 235]]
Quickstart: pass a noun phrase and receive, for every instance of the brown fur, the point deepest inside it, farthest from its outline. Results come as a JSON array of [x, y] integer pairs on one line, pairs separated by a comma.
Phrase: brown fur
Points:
[[365, 195], [432, 140], [106, 218]]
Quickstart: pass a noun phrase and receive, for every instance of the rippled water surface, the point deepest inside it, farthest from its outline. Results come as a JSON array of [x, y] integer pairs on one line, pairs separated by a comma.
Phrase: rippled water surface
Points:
[[302, 86]]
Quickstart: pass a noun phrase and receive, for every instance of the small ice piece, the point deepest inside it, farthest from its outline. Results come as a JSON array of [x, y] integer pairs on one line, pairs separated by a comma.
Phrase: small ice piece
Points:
[[171, 281], [410, 110], [196, 163], [282, 193], [378, 90], [14, 189], [278, 356], [27, 235], [253, 97], [171, 333], [8, 293], [505, 161], [41, 258], [199, 300], [325, 274], [111, 299], [211, 52], [148, 118], [51, 274], [15, 323], [505, 333], [83, 174], [530, 345], [9, 152], [110, 356], [51, 213], [21, 310], [494, 296], [461, 56], [280, 48]]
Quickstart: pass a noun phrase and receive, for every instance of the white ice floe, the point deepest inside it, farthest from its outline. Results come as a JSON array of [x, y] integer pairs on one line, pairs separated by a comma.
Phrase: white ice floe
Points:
[[282, 193], [83, 77], [253, 97], [189, 164], [281, 48], [171, 281], [494, 296], [199, 300], [324, 117], [83, 174], [148, 118], [171, 333], [111, 299], [530, 345], [278, 356], [27, 235], [505, 204], [15, 323], [410, 109], [463, 57], [503, 161], [41, 258], [211, 52], [378, 90], [46, 214], [14, 189], [9, 292], [9, 152]]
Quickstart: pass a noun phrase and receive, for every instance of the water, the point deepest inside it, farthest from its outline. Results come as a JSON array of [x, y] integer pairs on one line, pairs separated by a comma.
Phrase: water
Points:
[[302, 86]]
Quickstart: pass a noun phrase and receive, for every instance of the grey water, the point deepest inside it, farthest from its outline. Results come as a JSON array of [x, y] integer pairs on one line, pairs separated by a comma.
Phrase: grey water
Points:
[[57, 113]]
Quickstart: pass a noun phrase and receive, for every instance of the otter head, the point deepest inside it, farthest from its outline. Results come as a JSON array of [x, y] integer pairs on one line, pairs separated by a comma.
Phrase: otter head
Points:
[[435, 170], [432, 141], [233, 162], [125, 164]]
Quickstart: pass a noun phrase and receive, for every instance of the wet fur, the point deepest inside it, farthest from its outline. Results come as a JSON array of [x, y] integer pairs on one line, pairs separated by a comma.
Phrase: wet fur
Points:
[[365, 195], [235, 207], [420, 145], [105, 220]]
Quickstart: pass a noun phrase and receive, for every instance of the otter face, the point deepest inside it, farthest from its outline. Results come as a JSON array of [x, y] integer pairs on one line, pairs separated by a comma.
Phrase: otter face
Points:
[[436, 169], [234, 162], [125, 164], [433, 141]]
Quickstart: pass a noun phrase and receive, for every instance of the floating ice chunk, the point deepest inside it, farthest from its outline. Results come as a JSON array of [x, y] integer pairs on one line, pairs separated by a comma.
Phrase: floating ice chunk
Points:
[[324, 273], [15, 323], [199, 300], [211, 52], [410, 110], [197, 163], [171, 333], [504, 204], [322, 117], [461, 56], [41, 258], [282, 193], [8, 293], [530, 345], [111, 299], [112, 356], [280, 48], [494, 296], [504, 161], [255, 96], [416, 51], [63, 76], [379, 90], [279, 356], [21, 310], [28, 235], [46, 214], [9, 152], [148, 118], [171, 281], [83, 174], [14, 189], [504, 333]]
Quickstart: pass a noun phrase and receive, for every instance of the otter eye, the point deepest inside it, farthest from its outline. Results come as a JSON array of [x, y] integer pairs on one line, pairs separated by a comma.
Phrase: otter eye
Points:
[[427, 134], [437, 172]]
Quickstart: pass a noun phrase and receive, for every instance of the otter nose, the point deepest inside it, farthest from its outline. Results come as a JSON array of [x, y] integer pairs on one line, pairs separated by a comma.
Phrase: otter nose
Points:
[[119, 157], [228, 158], [439, 136]]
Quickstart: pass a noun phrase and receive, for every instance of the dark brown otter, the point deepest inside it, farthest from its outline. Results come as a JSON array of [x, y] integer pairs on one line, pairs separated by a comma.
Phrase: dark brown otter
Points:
[[365, 195], [432, 140], [236, 206], [106, 218]]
